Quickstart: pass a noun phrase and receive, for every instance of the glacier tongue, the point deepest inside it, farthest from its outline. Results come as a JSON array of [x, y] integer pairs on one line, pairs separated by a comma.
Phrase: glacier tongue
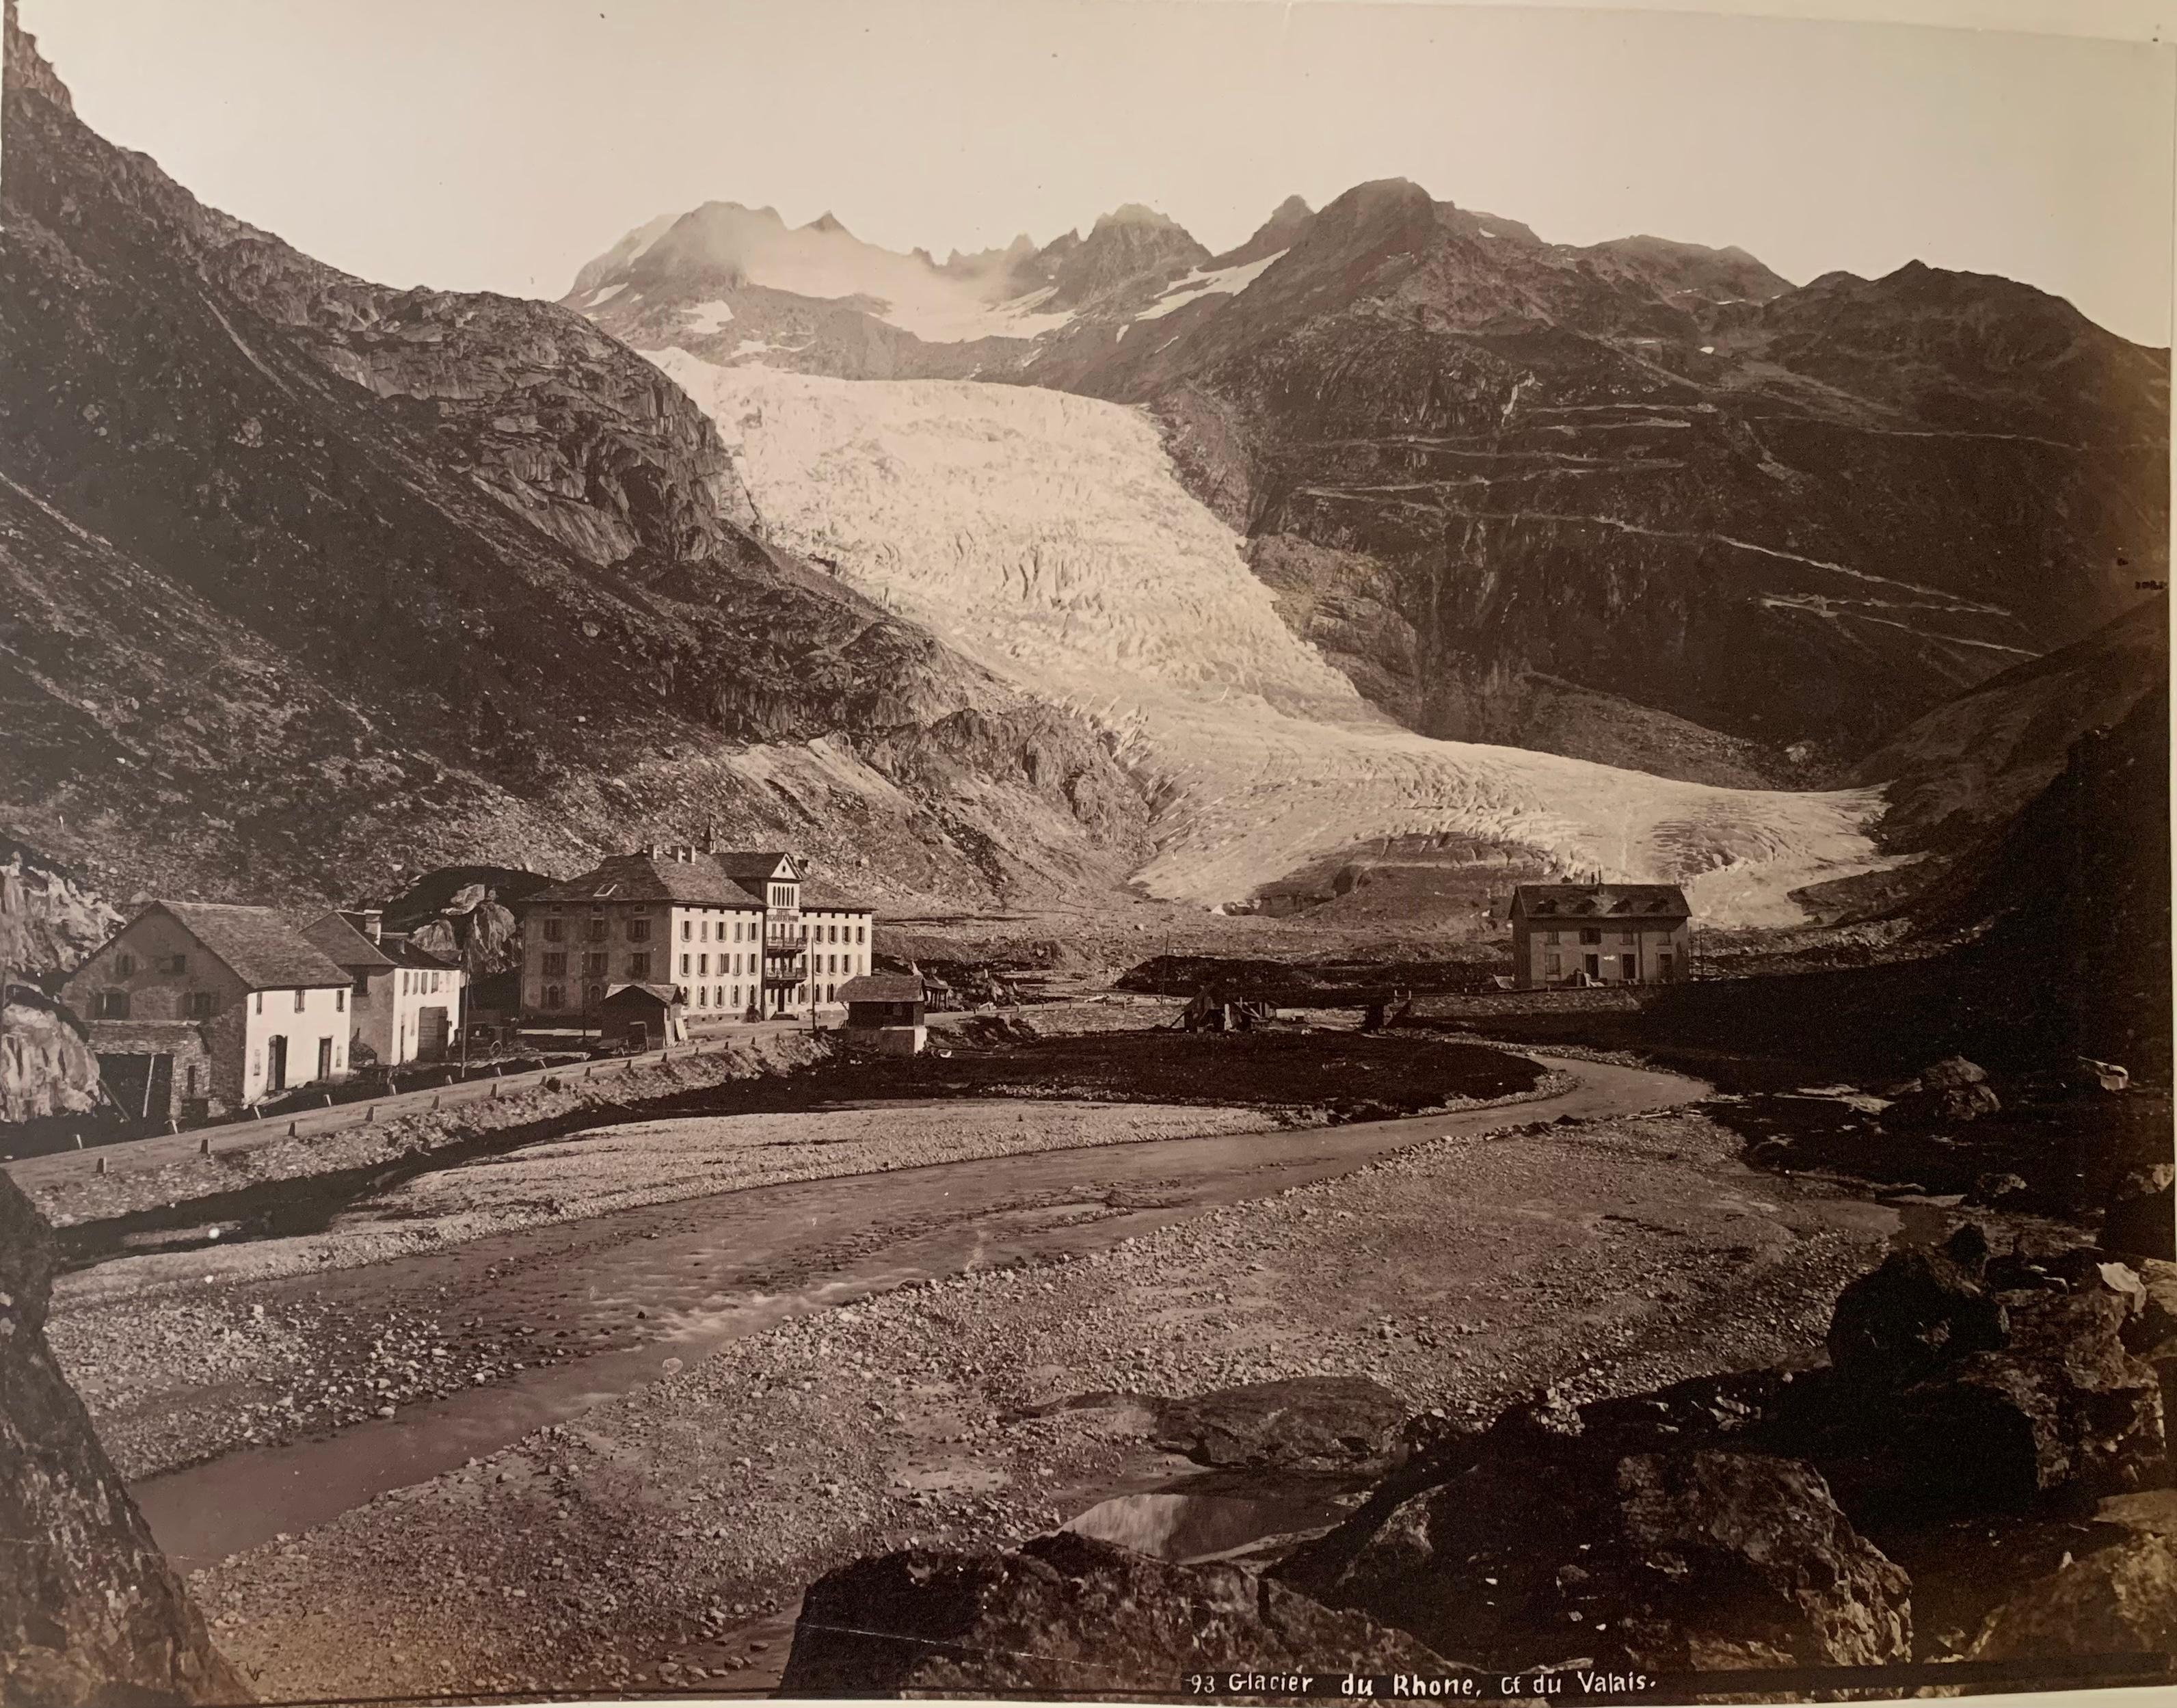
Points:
[[1046, 536]]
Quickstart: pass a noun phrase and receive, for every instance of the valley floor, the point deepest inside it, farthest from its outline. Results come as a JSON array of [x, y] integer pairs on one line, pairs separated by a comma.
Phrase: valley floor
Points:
[[662, 1537]]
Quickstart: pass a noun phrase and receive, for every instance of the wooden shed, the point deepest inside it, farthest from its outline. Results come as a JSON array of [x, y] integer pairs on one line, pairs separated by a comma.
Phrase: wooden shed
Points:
[[886, 1009], [644, 1016]]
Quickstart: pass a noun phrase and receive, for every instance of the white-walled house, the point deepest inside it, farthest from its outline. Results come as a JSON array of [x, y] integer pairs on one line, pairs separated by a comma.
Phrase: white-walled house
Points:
[[227, 1004], [738, 935], [407, 1005]]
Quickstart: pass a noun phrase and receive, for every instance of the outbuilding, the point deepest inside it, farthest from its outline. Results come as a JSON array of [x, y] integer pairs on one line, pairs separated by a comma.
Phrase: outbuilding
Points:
[[886, 1010], [644, 1015]]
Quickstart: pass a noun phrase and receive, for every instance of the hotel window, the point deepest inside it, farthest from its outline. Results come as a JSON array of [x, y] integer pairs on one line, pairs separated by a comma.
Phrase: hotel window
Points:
[[638, 931], [687, 930], [704, 961], [593, 966], [554, 996], [1553, 963], [684, 965], [857, 933], [597, 928], [555, 930], [298, 1001], [556, 964], [339, 1002], [260, 1001], [110, 1005], [1590, 934], [737, 996], [1629, 936], [363, 984], [1550, 937], [706, 930], [124, 964], [200, 1005], [638, 966]]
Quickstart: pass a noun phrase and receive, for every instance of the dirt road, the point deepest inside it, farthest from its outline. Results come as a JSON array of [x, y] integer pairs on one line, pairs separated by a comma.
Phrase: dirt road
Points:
[[540, 1324]]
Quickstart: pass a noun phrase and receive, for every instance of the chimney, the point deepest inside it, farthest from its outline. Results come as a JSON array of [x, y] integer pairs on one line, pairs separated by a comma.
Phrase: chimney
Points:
[[370, 921], [710, 833]]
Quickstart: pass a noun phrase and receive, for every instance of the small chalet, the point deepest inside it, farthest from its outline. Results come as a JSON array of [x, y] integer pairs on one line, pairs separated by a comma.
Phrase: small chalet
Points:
[[885, 1010], [406, 1005], [196, 1009], [644, 1016], [1599, 934]]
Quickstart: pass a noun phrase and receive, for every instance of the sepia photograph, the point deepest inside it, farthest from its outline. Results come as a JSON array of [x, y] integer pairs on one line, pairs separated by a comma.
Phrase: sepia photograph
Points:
[[1150, 851]]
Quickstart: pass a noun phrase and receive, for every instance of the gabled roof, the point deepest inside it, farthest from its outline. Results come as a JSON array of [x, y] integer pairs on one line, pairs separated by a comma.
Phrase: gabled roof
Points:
[[257, 945], [645, 877], [1599, 902], [664, 995], [404, 953], [760, 866], [344, 946], [882, 987]]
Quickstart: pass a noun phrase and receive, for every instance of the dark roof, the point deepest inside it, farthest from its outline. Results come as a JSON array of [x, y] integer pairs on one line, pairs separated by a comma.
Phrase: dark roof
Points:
[[664, 996], [1600, 901], [700, 881], [882, 987], [344, 946], [258, 945], [401, 952], [747, 865], [142, 1037]]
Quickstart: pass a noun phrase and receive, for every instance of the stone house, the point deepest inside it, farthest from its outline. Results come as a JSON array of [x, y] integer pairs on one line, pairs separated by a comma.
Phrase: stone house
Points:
[[406, 1005], [212, 1007], [1600, 934]]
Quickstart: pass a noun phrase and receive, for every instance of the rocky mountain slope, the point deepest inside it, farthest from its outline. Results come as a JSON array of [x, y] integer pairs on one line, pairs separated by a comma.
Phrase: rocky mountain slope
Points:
[[1968, 767], [312, 582], [1641, 501]]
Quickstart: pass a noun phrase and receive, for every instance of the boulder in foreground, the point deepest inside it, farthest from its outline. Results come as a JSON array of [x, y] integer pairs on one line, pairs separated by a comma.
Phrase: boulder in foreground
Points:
[[1068, 1615]]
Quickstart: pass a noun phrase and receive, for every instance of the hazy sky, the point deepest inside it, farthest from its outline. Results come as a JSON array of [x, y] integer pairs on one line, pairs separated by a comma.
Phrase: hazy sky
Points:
[[499, 143]]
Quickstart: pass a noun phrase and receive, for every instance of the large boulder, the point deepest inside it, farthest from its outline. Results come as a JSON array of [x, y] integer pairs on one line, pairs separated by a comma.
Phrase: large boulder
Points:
[[1920, 1309], [1538, 1554], [2119, 1601], [2140, 1219], [1310, 1422], [2059, 1409], [1951, 1090], [91, 1616], [1067, 1616]]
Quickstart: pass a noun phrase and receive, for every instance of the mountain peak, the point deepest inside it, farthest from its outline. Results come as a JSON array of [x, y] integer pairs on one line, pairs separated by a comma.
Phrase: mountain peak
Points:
[[827, 221], [1135, 214]]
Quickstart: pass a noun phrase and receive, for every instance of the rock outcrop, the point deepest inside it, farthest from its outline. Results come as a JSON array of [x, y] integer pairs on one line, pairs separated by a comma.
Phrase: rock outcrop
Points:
[[90, 1613], [1066, 1616], [46, 1065]]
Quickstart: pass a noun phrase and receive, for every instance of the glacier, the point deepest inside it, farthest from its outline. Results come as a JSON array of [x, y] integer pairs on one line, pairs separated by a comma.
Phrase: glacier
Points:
[[1048, 537]]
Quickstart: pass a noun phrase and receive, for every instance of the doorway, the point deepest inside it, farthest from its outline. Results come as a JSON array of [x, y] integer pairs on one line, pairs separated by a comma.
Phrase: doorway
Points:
[[1632, 966], [325, 1058], [276, 1064]]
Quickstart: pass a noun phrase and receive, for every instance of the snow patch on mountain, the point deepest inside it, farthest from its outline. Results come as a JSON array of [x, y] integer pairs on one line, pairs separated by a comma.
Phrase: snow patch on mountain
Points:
[[1227, 281], [1046, 536], [708, 317]]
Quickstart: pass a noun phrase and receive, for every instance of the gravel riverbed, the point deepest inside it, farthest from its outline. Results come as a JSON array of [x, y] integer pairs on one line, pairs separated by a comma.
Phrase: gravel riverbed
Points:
[[661, 1539]]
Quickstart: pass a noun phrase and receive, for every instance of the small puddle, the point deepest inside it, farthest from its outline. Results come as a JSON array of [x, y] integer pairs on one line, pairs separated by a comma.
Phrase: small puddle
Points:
[[1189, 1528]]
